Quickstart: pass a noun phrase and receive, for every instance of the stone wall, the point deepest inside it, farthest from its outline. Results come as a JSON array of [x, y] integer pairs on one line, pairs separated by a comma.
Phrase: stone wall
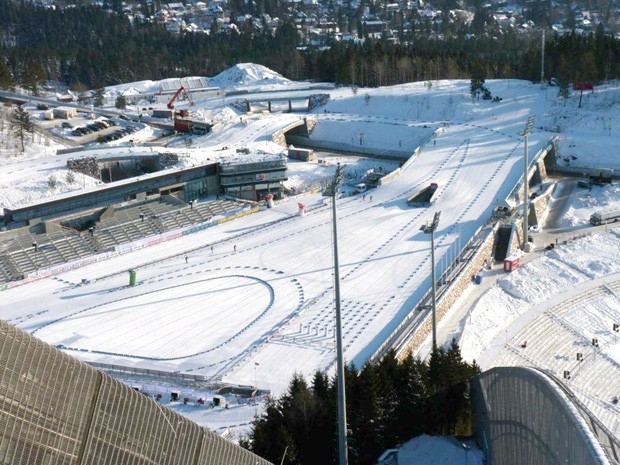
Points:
[[517, 237], [542, 169], [456, 289], [484, 253]]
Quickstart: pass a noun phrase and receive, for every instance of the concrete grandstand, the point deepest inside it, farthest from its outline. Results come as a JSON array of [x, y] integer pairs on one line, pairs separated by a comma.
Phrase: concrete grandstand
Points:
[[102, 231]]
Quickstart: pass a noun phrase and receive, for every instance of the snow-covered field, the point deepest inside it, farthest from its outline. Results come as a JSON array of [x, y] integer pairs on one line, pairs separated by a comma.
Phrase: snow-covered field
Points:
[[257, 314]]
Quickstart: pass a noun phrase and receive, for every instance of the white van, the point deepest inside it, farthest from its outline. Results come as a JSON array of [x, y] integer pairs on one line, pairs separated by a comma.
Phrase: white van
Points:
[[361, 187]]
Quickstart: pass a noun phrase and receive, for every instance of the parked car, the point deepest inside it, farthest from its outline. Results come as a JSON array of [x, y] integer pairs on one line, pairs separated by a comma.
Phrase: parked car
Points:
[[360, 188]]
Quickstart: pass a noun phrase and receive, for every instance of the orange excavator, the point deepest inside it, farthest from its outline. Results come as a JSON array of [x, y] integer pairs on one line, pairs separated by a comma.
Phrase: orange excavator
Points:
[[181, 113]]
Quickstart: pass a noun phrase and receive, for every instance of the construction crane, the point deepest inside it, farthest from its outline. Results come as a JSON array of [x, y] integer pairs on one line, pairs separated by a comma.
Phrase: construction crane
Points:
[[176, 95]]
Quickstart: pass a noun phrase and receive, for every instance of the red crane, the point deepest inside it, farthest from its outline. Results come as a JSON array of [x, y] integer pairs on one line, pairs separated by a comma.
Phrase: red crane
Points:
[[176, 95]]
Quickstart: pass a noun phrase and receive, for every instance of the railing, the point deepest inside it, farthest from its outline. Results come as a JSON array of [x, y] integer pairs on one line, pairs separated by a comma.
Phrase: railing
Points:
[[608, 441], [407, 328]]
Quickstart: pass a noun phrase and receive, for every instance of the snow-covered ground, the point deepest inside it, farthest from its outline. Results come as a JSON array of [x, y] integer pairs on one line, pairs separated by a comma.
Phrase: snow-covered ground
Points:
[[260, 306]]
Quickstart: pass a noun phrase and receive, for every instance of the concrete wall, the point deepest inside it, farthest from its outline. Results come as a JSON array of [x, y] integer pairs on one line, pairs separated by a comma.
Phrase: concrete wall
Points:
[[522, 417], [349, 148]]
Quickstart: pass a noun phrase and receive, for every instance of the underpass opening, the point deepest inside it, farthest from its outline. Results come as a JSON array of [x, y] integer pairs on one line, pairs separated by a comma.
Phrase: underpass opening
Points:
[[502, 241]]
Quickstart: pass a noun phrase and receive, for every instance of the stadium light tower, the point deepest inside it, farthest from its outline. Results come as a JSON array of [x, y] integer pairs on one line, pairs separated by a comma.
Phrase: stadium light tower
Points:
[[430, 228], [542, 58], [332, 191], [526, 194]]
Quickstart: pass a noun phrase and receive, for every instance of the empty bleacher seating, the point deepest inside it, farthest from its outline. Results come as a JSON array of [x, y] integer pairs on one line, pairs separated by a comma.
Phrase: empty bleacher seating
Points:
[[18, 256]]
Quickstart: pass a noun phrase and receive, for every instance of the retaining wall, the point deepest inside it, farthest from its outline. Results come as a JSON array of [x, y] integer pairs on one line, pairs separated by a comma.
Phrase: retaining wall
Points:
[[477, 263]]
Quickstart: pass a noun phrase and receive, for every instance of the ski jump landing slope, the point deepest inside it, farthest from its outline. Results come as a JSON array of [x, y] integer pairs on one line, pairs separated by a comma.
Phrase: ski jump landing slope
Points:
[[260, 306]]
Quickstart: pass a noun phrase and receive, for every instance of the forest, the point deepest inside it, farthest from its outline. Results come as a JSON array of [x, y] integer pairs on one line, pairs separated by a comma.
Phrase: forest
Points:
[[388, 403], [89, 47]]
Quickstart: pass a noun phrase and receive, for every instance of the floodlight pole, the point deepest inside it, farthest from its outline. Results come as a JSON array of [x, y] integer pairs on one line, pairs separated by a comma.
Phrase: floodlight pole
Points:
[[526, 194], [542, 58], [434, 292], [332, 191], [430, 229]]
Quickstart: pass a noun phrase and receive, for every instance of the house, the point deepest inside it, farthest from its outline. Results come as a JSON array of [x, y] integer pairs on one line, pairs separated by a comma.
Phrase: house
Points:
[[374, 27]]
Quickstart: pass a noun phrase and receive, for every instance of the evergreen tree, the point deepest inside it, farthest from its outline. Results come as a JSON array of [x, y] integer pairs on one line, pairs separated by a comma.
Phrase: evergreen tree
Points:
[[387, 403], [269, 436], [98, 97], [21, 125], [6, 78], [564, 91], [121, 102], [33, 76], [51, 182], [70, 177]]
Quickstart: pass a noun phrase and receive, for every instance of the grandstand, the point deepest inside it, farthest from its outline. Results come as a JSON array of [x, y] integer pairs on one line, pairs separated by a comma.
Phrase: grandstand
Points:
[[553, 340], [55, 409], [190, 83], [19, 256]]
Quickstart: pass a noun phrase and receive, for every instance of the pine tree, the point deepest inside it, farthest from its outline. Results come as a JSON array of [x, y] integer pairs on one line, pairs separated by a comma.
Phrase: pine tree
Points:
[[6, 78], [21, 125], [121, 102], [98, 97]]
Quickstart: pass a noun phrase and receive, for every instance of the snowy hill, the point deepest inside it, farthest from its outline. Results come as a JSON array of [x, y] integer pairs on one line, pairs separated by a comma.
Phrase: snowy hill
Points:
[[247, 74], [240, 75]]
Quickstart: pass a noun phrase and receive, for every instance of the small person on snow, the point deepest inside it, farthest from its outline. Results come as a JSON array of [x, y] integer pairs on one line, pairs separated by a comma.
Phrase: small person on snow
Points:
[[211, 249], [371, 198], [364, 197], [186, 259], [235, 247]]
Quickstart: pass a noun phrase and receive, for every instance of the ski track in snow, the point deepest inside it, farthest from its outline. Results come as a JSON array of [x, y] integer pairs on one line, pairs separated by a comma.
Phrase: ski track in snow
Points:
[[384, 257]]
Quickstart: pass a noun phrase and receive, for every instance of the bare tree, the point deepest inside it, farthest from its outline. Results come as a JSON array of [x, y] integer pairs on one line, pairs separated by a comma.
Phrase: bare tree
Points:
[[51, 182], [70, 177]]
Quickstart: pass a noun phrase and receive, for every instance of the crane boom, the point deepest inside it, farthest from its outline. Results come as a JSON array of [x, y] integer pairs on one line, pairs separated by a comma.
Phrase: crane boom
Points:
[[176, 95]]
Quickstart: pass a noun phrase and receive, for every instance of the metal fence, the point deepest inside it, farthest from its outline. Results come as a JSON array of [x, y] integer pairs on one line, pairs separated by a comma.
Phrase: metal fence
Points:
[[56, 410]]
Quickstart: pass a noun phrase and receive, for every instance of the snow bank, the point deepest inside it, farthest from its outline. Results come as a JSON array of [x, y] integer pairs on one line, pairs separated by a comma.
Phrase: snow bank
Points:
[[549, 280], [429, 450], [587, 202]]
